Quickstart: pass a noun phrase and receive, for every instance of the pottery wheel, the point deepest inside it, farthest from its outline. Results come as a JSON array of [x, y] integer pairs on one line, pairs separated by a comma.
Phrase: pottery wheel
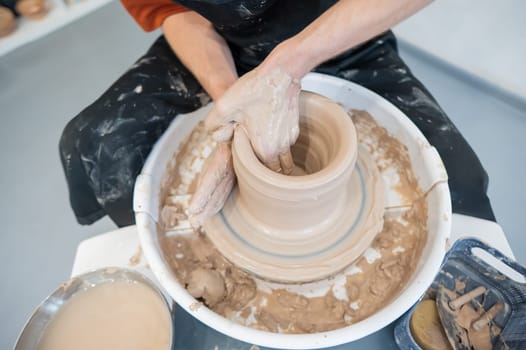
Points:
[[276, 257]]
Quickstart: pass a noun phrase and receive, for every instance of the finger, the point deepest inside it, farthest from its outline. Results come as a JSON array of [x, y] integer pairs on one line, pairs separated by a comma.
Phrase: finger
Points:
[[224, 133], [273, 164], [220, 115], [215, 203], [214, 119], [216, 167], [286, 162]]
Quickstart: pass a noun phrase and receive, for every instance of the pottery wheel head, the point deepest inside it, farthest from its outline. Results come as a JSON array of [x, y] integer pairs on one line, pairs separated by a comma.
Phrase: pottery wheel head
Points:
[[307, 227]]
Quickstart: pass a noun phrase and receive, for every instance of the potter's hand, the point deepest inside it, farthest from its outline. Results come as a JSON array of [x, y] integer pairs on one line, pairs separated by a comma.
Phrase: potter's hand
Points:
[[215, 183], [265, 104]]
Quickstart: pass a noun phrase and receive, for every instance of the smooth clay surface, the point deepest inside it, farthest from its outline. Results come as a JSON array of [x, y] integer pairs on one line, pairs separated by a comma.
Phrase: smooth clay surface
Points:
[[361, 289]]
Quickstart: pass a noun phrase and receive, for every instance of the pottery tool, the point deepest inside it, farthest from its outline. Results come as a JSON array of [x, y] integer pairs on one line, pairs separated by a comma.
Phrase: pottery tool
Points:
[[457, 315], [487, 317]]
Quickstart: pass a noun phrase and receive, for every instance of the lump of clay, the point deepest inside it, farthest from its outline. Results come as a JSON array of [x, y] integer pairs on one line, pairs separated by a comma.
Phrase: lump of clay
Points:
[[32, 9], [206, 284], [7, 21]]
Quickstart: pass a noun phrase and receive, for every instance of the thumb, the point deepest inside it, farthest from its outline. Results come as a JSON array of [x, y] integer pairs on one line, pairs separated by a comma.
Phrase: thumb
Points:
[[224, 133], [219, 116]]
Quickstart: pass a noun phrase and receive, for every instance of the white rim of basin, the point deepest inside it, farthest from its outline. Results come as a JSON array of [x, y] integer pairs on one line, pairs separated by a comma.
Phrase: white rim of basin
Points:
[[430, 173]]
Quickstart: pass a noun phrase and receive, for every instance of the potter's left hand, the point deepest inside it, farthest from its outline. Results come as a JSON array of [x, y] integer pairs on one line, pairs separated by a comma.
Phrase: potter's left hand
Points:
[[215, 183], [265, 104]]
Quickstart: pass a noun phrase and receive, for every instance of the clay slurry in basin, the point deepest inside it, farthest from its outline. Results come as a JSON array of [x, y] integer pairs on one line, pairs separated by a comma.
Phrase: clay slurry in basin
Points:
[[309, 225], [360, 290]]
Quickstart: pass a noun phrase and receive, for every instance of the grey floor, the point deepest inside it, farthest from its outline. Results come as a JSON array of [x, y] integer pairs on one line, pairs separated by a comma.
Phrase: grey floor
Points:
[[477, 35], [45, 83]]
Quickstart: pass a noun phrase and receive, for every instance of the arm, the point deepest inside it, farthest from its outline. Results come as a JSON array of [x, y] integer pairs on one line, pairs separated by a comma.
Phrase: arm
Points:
[[345, 25], [202, 50]]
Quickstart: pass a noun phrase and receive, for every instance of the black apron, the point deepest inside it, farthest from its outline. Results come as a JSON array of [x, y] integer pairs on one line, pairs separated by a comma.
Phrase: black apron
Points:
[[253, 28]]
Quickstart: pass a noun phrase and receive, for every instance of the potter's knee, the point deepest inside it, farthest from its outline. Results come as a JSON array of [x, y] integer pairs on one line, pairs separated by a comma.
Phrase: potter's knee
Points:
[[70, 137], [473, 180]]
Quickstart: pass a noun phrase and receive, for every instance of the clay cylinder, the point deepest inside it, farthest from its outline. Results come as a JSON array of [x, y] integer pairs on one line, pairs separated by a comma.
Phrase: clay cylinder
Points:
[[295, 206]]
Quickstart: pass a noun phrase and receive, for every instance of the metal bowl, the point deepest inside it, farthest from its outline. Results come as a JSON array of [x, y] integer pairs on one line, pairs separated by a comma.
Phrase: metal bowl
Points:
[[35, 328]]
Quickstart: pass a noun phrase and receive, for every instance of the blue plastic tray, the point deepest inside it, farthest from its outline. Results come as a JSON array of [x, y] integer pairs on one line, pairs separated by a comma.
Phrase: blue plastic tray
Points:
[[460, 263]]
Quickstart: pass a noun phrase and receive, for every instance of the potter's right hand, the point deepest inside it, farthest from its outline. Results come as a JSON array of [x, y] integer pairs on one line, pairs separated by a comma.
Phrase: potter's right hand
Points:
[[264, 102], [215, 183]]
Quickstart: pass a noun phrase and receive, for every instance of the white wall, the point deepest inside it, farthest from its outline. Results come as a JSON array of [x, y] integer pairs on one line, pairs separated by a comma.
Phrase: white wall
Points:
[[484, 37]]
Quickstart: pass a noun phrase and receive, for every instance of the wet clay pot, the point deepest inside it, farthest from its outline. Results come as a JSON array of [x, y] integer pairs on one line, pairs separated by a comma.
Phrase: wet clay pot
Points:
[[312, 223]]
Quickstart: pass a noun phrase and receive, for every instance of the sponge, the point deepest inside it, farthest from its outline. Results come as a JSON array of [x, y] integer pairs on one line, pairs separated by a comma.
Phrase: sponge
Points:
[[426, 328]]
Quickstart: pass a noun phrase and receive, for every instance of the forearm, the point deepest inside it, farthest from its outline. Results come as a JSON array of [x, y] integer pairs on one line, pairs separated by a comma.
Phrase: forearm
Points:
[[202, 50], [346, 24]]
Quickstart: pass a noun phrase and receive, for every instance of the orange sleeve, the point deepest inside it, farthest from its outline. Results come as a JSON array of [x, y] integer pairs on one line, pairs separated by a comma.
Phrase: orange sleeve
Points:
[[150, 14]]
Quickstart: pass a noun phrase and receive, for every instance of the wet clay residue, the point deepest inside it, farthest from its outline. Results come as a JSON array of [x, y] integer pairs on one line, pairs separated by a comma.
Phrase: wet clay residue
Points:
[[135, 259], [388, 153], [360, 290], [207, 275]]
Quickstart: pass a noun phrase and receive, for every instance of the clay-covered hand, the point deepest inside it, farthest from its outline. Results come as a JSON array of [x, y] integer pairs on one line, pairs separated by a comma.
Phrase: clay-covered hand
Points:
[[266, 107], [265, 104], [215, 183]]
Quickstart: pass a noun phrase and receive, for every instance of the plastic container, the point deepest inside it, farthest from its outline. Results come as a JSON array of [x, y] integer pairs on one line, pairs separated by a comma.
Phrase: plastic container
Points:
[[468, 262]]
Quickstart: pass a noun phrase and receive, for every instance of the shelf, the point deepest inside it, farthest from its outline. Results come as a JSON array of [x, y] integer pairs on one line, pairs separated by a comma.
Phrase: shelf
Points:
[[60, 14]]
